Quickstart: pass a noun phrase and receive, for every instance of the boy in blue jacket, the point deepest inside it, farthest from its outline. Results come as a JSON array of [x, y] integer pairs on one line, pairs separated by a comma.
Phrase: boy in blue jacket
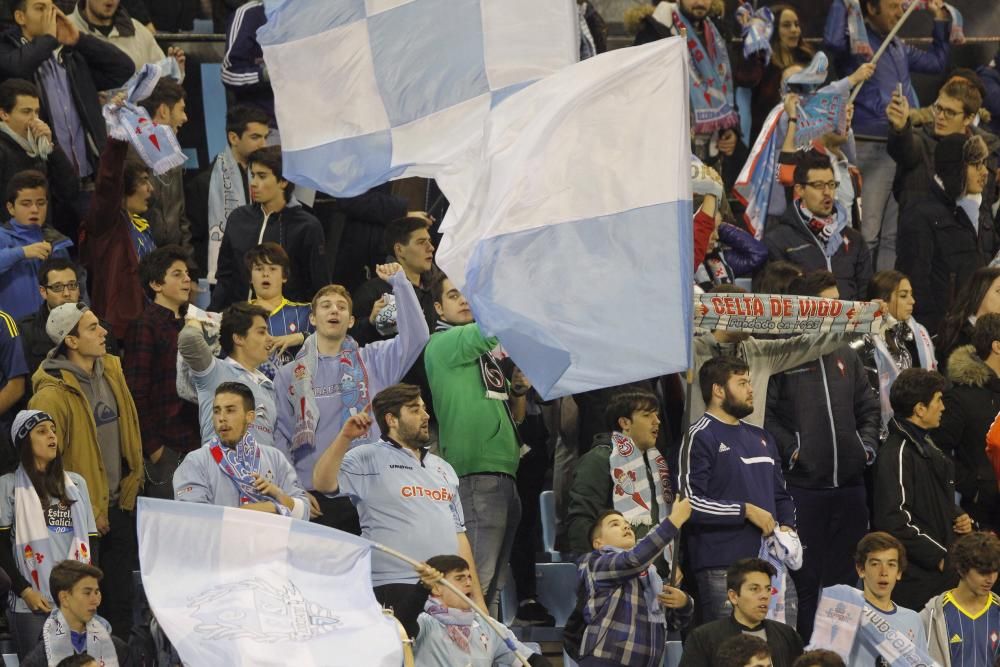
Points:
[[26, 242]]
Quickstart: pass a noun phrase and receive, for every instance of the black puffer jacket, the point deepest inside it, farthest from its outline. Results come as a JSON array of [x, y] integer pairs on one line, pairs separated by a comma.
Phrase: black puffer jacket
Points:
[[790, 240], [971, 405], [939, 249], [826, 412]]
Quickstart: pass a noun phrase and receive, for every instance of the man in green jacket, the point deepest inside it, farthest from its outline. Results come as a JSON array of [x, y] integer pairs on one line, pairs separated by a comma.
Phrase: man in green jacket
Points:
[[623, 471], [477, 411]]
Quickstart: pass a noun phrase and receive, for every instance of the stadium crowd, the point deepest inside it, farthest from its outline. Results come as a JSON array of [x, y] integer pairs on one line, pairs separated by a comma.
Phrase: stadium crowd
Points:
[[356, 390]]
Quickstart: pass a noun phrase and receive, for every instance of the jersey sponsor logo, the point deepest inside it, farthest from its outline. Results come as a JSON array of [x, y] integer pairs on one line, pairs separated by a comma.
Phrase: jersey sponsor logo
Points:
[[417, 491], [723, 448], [955, 639], [399, 467]]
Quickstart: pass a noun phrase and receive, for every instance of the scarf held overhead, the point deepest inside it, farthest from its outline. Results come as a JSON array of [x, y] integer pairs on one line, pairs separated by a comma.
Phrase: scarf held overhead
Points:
[[155, 144], [819, 112], [776, 313]]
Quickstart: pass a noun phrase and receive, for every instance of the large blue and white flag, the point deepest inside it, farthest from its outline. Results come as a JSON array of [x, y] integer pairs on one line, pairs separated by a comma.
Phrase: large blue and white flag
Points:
[[370, 90], [236, 587], [575, 247]]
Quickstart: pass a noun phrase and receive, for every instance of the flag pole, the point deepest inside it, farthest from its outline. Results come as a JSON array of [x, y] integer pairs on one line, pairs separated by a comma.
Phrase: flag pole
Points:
[[885, 45], [500, 629]]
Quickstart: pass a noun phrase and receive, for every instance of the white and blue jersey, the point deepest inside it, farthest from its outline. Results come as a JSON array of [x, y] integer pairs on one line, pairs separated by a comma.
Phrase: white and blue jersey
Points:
[[404, 503], [227, 370]]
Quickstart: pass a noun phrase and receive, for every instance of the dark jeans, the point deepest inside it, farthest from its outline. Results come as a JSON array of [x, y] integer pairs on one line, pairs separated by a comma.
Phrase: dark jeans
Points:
[[492, 512], [26, 627], [527, 541], [337, 513], [119, 557], [405, 600], [830, 524]]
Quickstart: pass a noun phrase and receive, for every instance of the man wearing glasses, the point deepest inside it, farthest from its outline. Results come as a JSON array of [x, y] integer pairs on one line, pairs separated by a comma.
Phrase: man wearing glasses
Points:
[[58, 282], [955, 111], [815, 231]]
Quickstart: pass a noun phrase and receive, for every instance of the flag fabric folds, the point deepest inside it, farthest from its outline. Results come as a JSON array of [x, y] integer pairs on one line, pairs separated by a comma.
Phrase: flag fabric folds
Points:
[[237, 587], [371, 90], [575, 247]]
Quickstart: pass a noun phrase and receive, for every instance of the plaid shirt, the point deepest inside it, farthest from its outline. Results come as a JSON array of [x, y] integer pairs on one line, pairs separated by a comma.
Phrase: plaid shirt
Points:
[[165, 419], [619, 629]]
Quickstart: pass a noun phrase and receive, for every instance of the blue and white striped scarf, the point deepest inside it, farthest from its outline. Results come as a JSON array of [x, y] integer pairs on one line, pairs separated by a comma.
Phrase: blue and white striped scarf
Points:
[[239, 463]]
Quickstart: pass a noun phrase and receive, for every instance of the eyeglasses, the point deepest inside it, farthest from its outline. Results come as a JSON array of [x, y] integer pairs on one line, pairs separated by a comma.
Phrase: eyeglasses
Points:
[[944, 111], [59, 287], [824, 185]]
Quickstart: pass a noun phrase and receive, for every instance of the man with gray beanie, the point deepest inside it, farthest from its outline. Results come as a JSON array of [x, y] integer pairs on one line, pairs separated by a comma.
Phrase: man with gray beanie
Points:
[[945, 235], [83, 388]]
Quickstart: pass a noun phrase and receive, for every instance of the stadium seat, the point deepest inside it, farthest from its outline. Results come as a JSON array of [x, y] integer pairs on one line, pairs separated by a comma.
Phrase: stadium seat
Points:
[[556, 587], [673, 655], [547, 505]]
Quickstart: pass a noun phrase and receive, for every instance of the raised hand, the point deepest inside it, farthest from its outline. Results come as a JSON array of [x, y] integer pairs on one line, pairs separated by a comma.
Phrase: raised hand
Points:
[[356, 426], [386, 271]]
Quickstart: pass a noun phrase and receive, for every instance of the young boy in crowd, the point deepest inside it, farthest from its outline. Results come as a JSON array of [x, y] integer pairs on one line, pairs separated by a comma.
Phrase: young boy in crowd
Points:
[[743, 650], [626, 598], [880, 560], [25, 242], [449, 631], [748, 589], [75, 629], [169, 423], [288, 322], [963, 624]]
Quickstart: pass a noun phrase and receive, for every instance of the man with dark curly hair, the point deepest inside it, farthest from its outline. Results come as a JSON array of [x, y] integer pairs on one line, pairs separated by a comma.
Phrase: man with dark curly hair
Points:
[[963, 624]]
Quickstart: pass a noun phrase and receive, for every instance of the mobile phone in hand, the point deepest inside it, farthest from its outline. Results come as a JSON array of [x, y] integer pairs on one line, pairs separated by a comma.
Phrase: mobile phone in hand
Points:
[[899, 89]]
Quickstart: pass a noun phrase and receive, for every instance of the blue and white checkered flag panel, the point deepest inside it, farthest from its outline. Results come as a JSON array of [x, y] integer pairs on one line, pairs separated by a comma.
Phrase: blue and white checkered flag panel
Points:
[[371, 90]]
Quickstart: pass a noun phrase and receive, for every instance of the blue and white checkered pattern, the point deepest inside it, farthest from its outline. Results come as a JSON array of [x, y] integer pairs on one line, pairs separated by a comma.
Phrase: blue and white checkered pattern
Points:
[[371, 90]]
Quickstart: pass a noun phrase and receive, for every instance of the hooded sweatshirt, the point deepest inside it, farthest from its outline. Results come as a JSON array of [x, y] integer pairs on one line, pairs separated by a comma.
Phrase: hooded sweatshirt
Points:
[[102, 401], [98, 422]]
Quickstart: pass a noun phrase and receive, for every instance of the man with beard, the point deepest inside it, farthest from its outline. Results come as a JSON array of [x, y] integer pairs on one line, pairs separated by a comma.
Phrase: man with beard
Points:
[[731, 471], [407, 498], [233, 470]]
